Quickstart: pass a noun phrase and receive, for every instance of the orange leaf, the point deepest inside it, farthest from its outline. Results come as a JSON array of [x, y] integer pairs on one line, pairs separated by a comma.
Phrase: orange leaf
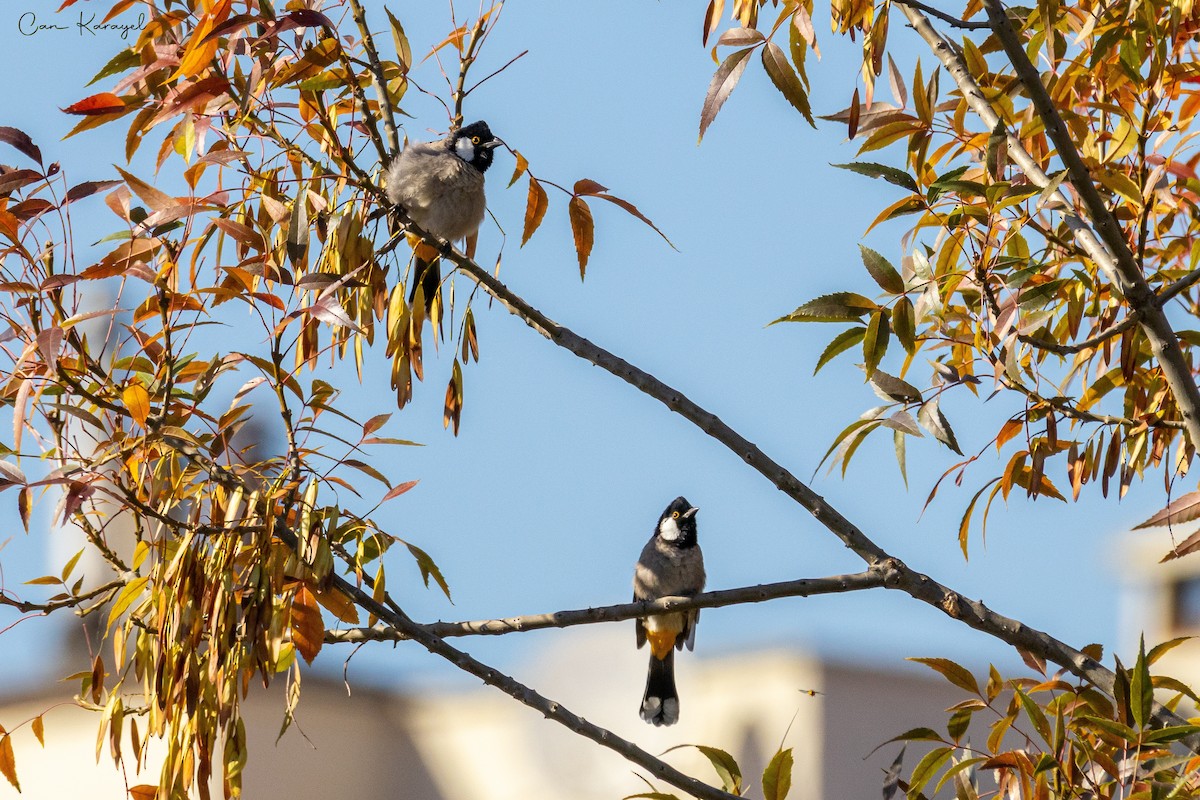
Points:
[[308, 630], [103, 103], [137, 400], [535, 209], [39, 730], [143, 792], [583, 229], [8, 760]]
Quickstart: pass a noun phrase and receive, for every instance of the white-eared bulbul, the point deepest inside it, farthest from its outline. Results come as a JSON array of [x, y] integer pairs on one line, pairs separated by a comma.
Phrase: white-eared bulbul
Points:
[[440, 186], [671, 565]]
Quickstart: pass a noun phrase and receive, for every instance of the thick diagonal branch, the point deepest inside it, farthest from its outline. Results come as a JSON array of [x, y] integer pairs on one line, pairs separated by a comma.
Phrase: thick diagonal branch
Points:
[[1098, 233], [897, 574], [551, 709], [804, 587]]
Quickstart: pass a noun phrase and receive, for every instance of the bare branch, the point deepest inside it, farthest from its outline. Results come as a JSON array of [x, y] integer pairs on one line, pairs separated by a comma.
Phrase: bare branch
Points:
[[897, 574], [949, 19], [1166, 295], [551, 709], [388, 114], [803, 587], [66, 602]]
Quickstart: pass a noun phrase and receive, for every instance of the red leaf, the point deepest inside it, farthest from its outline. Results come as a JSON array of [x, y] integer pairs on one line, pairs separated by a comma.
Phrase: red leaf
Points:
[[398, 490], [89, 188], [20, 140], [103, 103]]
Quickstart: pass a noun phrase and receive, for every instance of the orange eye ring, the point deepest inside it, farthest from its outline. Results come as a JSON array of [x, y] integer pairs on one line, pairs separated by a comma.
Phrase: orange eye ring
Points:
[[474, 140], [674, 515]]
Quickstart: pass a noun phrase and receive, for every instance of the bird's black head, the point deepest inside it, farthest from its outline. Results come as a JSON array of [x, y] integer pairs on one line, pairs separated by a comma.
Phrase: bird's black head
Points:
[[677, 525], [475, 144]]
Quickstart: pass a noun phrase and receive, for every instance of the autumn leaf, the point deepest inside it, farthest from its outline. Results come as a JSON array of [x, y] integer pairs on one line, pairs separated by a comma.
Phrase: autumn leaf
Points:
[[726, 77], [535, 209], [137, 400], [8, 759], [583, 229], [307, 627], [102, 103]]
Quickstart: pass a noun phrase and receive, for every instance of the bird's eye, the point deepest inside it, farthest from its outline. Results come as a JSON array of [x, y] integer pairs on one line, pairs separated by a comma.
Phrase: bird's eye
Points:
[[474, 140], [674, 515]]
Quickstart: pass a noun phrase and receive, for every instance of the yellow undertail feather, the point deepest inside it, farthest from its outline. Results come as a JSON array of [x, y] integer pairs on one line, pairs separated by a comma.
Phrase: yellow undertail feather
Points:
[[661, 642]]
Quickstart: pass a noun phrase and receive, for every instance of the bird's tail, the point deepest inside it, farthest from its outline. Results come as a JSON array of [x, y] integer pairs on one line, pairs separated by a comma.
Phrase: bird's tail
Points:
[[427, 274], [660, 704]]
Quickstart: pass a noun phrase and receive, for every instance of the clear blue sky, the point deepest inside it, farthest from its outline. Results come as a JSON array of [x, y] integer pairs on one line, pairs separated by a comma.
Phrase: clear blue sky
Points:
[[545, 499]]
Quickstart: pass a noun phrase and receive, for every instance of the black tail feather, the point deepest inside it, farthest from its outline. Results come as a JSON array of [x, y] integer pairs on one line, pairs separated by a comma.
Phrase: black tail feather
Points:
[[427, 275], [660, 704]]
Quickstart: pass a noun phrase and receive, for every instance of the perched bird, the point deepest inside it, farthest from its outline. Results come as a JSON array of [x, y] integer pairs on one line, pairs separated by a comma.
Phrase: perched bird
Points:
[[440, 186], [670, 565]]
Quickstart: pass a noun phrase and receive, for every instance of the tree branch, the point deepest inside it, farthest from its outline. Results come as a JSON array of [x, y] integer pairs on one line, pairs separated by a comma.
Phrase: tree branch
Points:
[[1112, 255], [803, 587], [949, 19], [551, 709], [387, 114], [897, 574]]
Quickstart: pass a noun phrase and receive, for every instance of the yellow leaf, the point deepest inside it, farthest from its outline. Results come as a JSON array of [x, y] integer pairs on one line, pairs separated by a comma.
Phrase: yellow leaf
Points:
[[137, 400], [39, 730]]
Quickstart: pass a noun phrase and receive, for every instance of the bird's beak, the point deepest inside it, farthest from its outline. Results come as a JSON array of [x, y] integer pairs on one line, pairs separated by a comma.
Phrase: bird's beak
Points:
[[691, 512], [494, 143]]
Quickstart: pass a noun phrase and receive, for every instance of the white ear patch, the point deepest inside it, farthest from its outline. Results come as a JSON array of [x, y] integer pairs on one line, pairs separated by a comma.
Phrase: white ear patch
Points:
[[669, 529], [464, 149]]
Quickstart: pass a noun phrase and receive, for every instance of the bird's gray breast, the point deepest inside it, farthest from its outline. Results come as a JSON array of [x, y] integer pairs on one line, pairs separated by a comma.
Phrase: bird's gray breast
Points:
[[663, 571], [441, 192]]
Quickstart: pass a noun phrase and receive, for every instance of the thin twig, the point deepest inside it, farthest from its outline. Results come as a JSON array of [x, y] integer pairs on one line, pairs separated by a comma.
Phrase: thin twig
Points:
[[949, 19], [804, 587], [380, 84]]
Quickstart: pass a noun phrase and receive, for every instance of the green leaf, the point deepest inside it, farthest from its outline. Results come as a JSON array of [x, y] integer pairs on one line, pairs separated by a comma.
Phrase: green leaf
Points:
[[1159, 650], [1036, 716], [926, 768], [726, 767], [1106, 725], [777, 777], [953, 672], [966, 763], [835, 307], [882, 270], [841, 343], [429, 569], [1141, 688], [403, 49], [959, 721], [785, 79], [125, 599], [875, 342], [916, 735], [126, 59], [896, 177], [904, 324]]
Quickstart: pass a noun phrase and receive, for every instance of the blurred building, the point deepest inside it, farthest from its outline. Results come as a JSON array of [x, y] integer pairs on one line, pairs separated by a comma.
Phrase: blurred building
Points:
[[479, 744], [1160, 600]]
